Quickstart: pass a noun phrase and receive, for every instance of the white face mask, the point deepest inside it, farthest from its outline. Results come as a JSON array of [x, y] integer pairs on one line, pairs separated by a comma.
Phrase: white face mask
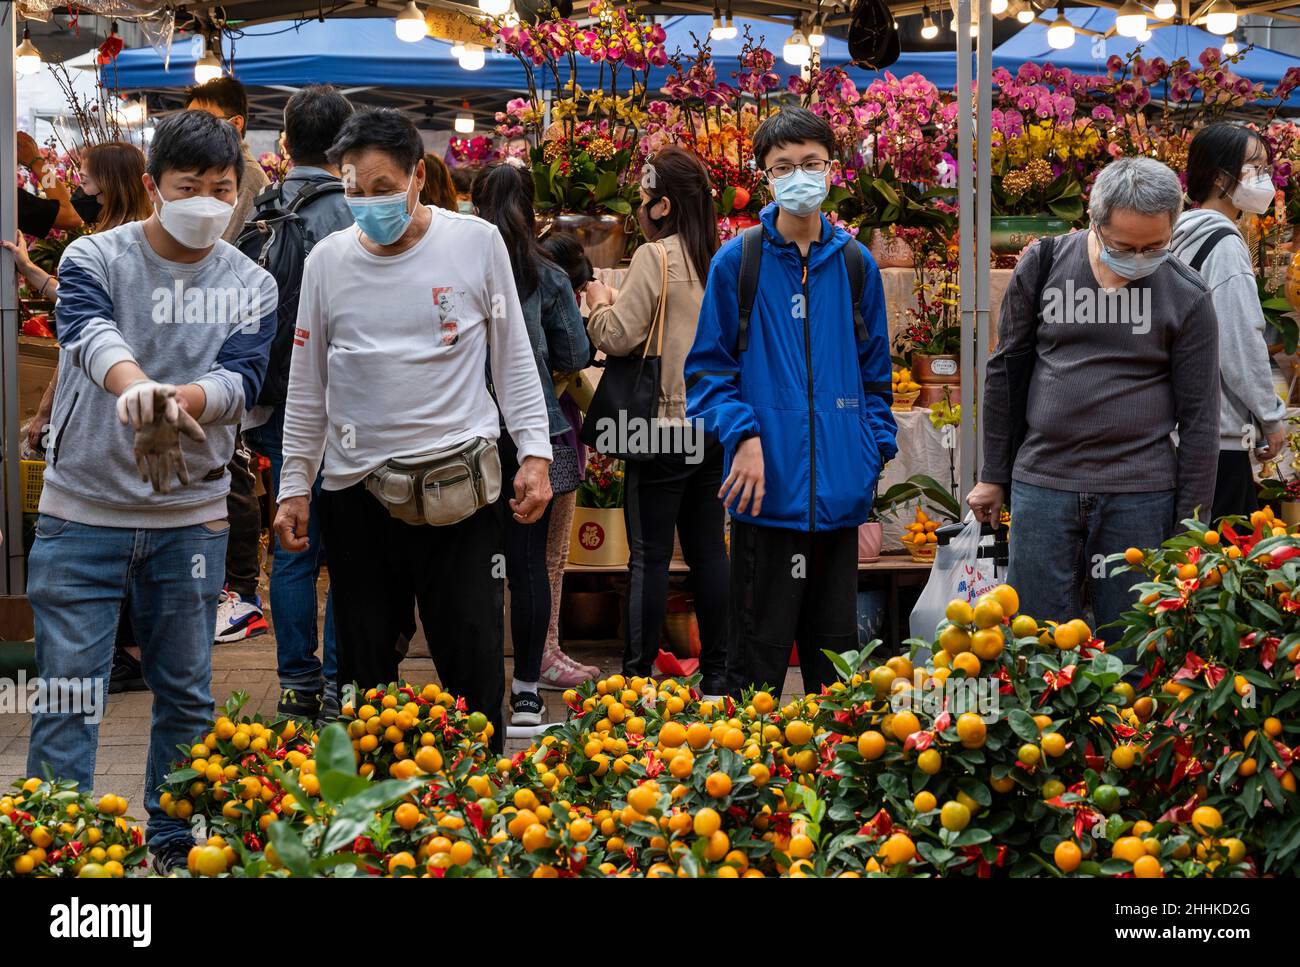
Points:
[[1254, 196], [197, 222]]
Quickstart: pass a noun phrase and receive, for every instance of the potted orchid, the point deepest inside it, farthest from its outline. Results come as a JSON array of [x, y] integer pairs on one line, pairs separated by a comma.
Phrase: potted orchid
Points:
[[581, 151], [930, 343]]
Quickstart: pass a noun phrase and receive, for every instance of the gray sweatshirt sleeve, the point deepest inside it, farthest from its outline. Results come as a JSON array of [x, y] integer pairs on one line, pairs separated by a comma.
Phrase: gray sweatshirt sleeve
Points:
[[1243, 354], [1194, 376]]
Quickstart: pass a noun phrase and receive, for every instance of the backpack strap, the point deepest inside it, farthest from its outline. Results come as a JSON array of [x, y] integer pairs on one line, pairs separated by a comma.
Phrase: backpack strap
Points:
[[1203, 253], [1046, 254], [751, 254], [270, 198], [856, 266], [313, 190]]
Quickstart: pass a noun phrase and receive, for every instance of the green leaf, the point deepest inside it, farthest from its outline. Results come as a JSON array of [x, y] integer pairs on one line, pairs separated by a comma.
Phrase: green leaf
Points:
[[334, 752], [1023, 724], [294, 856]]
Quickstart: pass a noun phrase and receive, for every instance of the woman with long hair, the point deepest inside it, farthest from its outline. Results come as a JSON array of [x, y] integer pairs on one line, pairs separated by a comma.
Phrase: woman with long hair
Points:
[[1230, 171], [437, 190], [675, 490], [503, 195]]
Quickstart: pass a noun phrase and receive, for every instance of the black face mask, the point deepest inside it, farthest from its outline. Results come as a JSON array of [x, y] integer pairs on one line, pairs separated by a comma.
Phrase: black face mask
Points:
[[87, 206], [648, 221]]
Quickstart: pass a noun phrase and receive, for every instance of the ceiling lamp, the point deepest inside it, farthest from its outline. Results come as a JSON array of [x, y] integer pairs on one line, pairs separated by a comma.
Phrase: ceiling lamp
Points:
[[1230, 47], [1221, 18], [797, 51], [1165, 9], [1060, 35], [1143, 37], [208, 67], [465, 119], [1131, 19], [472, 57], [1026, 14], [730, 27], [27, 59], [929, 30], [718, 32], [815, 36], [410, 24], [494, 8], [998, 7]]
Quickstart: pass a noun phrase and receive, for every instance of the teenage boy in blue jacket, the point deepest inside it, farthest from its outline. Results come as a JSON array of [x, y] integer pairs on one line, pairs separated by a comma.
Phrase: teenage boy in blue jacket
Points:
[[800, 400]]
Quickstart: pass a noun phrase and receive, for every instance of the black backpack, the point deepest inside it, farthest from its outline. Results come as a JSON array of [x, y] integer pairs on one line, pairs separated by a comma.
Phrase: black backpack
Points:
[[276, 238], [751, 254]]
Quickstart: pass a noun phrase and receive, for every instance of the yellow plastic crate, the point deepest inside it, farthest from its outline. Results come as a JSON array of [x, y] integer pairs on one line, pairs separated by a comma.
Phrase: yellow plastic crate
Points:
[[33, 472]]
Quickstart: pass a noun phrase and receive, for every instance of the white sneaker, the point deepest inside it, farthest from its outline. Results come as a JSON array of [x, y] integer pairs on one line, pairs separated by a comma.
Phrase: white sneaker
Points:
[[238, 619]]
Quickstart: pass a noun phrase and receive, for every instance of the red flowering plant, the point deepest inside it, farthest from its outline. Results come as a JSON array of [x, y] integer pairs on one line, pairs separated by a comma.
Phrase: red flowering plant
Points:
[[480, 149], [602, 485], [582, 162], [1217, 628]]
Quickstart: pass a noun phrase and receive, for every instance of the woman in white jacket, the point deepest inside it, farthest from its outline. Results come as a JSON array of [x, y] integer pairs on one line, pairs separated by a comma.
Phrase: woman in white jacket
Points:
[[1230, 171]]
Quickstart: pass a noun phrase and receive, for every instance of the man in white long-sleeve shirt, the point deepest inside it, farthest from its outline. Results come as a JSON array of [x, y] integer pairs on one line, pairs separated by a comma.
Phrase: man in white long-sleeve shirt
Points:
[[397, 320]]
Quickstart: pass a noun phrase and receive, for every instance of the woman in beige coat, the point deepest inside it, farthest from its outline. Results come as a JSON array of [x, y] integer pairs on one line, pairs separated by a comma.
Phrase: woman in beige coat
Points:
[[677, 486]]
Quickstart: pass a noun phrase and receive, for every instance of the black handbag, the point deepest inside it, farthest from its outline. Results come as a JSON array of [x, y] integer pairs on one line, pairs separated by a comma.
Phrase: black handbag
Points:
[[628, 392]]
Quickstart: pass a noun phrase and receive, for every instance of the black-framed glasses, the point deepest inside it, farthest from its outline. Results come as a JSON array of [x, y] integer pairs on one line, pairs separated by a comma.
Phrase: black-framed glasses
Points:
[[813, 166]]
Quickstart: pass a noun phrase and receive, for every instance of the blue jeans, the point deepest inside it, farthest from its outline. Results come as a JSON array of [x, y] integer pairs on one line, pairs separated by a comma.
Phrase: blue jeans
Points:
[[1059, 538], [78, 578], [293, 583]]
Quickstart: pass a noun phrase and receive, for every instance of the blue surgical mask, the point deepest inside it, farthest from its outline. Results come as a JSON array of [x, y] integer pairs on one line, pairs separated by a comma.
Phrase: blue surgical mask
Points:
[[1131, 265], [799, 192], [382, 217]]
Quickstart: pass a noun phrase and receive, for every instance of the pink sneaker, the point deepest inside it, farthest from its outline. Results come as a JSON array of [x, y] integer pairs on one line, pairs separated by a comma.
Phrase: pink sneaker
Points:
[[559, 671]]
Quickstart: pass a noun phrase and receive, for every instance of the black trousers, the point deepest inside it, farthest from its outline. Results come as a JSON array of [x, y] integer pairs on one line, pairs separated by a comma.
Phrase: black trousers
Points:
[[662, 495], [530, 583], [378, 563], [1234, 485], [244, 547], [788, 586]]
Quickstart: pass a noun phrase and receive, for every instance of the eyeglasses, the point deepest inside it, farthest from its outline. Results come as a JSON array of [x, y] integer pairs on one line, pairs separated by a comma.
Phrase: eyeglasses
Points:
[[1156, 250], [813, 166], [1251, 172]]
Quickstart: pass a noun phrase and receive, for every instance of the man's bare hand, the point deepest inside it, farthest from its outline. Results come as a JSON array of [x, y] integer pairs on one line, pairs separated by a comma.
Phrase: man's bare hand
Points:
[[291, 523], [986, 500], [532, 490], [744, 484], [158, 453]]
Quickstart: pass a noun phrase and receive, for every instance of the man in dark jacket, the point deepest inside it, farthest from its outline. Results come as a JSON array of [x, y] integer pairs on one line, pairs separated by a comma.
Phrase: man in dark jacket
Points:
[[800, 403], [312, 119]]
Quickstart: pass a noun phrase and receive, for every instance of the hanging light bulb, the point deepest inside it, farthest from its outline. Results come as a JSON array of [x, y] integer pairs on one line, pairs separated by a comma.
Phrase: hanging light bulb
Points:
[[494, 8], [929, 30], [410, 24], [1130, 20], [797, 51], [1230, 47], [27, 59], [1221, 18], [998, 7], [730, 27], [457, 48], [208, 67], [718, 32], [1143, 37], [1060, 35], [472, 57], [815, 36], [1026, 14], [465, 119], [1164, 9]]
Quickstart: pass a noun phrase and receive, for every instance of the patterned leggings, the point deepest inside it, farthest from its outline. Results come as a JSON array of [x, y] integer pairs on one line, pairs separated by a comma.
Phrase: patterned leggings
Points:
[[557, 555]]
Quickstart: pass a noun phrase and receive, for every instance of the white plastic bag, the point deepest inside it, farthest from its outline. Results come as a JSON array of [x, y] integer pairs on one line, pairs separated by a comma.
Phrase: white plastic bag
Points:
[[958, 572]]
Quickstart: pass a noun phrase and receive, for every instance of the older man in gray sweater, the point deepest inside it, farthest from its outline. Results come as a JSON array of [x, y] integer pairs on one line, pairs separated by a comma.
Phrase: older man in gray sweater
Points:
[[1106, 347]]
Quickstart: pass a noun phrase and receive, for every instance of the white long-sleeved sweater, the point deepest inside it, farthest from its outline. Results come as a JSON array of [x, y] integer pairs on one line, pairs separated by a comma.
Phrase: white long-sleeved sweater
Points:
[[390, 354]]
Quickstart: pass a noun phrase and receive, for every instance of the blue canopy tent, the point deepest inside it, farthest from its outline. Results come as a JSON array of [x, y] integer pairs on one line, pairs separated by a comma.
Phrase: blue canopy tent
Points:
[[1089, 53], [367, 58]]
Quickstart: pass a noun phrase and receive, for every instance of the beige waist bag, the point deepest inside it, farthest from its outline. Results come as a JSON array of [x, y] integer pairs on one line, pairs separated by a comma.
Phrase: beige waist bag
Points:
[[439, 488]]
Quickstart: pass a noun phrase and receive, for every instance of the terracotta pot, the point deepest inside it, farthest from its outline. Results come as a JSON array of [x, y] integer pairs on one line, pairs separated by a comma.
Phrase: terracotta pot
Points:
[[590, 615], [603, 237], [889, 251], [871, 536], [1009, 234], [935, 369], [599, 537], [932, 393]]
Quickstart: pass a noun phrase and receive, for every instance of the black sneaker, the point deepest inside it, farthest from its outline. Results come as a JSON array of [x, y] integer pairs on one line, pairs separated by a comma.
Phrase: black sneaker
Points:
[[298, 704], [526, 708], [127, 674], [172, 856], [329, 706]]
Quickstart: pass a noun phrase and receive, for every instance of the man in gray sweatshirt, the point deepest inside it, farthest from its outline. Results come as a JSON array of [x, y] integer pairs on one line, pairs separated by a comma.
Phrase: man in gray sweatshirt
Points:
[[164, 331], [1079, 408]]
